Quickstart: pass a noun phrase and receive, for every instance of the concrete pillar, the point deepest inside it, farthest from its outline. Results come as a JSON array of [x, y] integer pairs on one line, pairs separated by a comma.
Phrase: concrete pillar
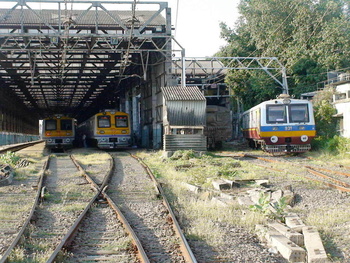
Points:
[[136, 115]]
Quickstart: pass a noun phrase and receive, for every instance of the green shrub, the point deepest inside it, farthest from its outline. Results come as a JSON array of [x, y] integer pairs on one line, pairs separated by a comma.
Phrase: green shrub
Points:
[[335, 145]]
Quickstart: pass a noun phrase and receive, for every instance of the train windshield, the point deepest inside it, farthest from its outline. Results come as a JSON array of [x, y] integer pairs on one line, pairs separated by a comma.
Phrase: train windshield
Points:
[[121, 121], [104, 121], [298, 113], [276, 114], [66, 125], [50, 125]]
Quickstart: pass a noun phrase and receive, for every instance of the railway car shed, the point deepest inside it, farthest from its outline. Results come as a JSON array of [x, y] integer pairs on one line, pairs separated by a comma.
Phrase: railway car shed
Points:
[[78, 57]]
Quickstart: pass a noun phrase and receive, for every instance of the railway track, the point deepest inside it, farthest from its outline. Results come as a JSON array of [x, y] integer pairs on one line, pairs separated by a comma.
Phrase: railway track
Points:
[[102, 237], [337, 178], [54, 220], [73, 219], [18, 202], [101, 233], [140, 200], [60, 198]]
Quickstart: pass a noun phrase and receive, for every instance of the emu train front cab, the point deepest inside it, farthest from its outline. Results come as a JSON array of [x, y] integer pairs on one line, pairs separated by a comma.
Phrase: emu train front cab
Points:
[[280, 125], [57, 131], [108, 129]]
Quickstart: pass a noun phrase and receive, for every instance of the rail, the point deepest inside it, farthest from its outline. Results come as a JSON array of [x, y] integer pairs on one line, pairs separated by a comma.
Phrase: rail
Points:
[[187, 252], [27, 221]]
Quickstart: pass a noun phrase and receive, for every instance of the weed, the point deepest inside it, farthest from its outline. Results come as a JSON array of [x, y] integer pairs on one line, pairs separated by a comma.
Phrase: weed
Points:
[[73, 207], [274, 210], [263, 205], [17, 255], [9, 158]]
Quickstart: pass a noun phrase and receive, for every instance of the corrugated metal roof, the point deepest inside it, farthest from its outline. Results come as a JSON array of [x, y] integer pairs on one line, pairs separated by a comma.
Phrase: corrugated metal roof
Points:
[[178, 93], [52, 17]]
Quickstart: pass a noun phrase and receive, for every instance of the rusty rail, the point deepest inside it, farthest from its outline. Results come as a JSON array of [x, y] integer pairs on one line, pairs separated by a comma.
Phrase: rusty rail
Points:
[[186, 250]]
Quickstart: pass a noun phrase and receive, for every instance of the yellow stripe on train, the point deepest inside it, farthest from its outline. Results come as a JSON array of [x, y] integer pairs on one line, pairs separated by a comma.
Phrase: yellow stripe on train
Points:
[[288, 133]]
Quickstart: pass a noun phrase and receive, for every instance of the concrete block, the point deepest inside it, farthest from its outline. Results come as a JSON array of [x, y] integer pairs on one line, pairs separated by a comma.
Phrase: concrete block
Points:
[[314, 247], [221, 185], [227, 196], [289, 250], [262, 182], [292, 235], [245, 200], [294, 222], [242, 183], [192, 188], [230, 182]]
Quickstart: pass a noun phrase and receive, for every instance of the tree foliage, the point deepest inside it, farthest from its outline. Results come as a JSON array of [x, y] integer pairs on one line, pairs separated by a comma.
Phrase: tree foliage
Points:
[[324, 110], [308, 36]]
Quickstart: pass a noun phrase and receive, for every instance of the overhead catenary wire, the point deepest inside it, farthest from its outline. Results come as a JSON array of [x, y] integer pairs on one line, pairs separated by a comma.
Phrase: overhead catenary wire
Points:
[[176, 16]]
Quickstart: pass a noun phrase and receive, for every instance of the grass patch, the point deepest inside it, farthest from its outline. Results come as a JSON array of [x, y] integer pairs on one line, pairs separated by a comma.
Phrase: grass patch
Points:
[[92, 158], [73, 207], [327, 220], [200, 217], [8, 211]]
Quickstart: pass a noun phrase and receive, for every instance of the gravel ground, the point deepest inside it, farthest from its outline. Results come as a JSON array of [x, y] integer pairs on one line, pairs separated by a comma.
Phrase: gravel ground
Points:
[[147, 215], [21, 191], [65, 196], [325, 208], [317, 205]]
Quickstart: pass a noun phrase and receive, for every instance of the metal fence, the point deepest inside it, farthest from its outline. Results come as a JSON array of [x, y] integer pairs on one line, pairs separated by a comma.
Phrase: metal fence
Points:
[[7, 138]]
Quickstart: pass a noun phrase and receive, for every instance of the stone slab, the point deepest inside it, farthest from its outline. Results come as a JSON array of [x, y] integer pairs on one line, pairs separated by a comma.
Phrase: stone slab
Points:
[[314, 247], [245, 200], [192, 188], [292, 235], [294, 222], [221, 185], [289, 250]]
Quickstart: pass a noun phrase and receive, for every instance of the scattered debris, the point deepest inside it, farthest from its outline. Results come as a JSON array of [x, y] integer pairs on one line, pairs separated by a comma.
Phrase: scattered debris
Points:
[[295, 241], [6, 174]]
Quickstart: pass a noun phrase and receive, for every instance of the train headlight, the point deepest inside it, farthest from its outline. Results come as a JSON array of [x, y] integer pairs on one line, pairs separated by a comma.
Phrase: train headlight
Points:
[[50, 140], [102, 132], [301, 127], [103, 139], [304, 138], [274, 139], [123, 131], [123, 139], [67, 140]]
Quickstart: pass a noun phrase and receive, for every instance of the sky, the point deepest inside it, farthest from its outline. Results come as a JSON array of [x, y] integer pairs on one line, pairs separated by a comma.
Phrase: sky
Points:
[[197, 24]]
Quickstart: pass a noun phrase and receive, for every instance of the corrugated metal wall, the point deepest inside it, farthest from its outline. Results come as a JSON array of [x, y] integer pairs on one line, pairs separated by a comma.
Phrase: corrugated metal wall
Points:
[[186, 113]]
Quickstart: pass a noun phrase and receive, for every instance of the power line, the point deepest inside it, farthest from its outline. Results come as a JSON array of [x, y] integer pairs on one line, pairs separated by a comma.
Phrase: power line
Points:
[[176, 16]]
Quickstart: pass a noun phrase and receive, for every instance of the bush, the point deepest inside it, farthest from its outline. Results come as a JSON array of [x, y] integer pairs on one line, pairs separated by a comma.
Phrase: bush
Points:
[[335, 145]]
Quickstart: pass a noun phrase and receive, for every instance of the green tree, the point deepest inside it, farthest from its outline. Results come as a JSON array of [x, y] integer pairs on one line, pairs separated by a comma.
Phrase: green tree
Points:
[[309, 37], [324, 111]]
